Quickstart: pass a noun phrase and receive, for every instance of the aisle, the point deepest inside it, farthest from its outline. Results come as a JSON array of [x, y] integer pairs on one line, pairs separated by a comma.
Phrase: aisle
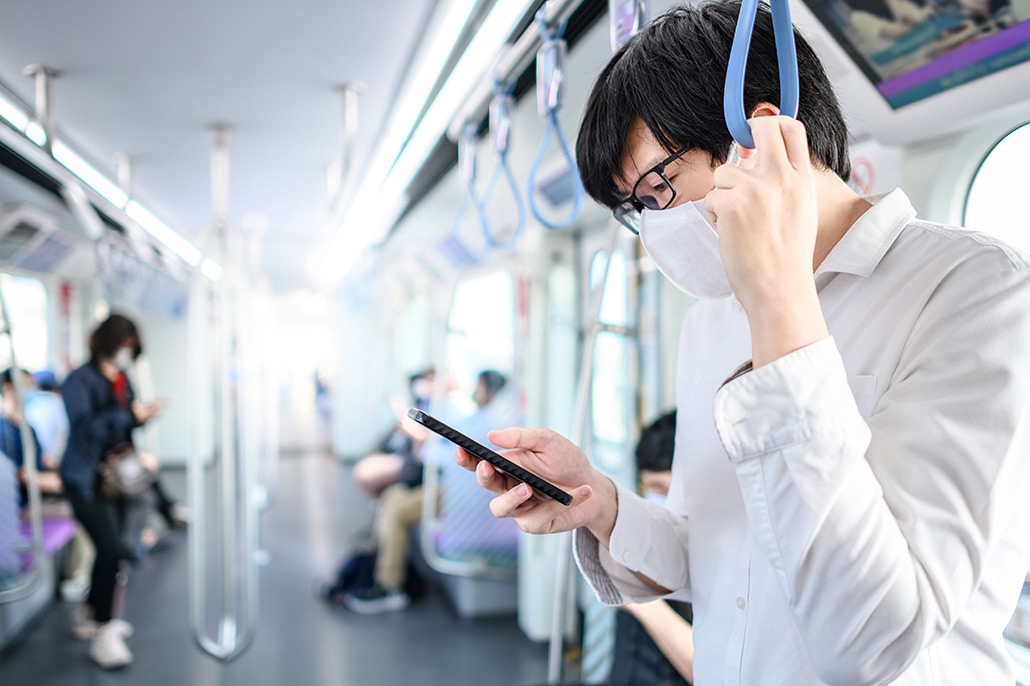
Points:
[[300, 641]]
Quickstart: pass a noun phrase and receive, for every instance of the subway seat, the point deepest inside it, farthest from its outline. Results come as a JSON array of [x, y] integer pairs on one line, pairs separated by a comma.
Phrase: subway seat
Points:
[[464, 534], [17, 557]]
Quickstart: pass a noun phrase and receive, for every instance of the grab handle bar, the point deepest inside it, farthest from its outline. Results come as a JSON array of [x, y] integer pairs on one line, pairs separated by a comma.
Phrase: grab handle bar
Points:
[[237, 568], [786, 54]]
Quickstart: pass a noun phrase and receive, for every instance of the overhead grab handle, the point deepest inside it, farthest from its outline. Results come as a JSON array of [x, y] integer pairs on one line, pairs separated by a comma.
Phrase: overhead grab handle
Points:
[[467, 171], [550, 92], [500, 129], [786, 54]]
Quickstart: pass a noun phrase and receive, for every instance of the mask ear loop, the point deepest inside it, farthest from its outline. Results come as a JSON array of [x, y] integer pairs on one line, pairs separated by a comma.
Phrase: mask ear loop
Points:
[[550, 77], [786, 56], [467, 169], [500, 127]]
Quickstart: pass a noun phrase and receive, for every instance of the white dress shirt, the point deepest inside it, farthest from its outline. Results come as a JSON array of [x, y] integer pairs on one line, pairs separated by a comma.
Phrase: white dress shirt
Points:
[[855, 512]]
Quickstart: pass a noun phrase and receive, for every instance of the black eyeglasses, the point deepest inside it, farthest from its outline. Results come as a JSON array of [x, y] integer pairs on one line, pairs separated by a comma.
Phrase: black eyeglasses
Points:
[[653, 191]]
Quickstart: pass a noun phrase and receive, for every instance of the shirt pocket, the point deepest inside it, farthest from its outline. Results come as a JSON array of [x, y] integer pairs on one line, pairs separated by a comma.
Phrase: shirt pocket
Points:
[[863, 387]]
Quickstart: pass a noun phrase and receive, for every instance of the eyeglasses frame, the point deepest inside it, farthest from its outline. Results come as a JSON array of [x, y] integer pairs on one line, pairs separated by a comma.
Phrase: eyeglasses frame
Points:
[[633, 202]]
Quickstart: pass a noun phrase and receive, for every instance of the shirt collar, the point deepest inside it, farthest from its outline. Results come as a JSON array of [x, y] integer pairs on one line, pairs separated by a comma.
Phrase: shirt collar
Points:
[[867, 241]]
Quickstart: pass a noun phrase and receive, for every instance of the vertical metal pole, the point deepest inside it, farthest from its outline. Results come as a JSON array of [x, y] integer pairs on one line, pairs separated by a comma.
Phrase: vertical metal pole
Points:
[[220, 172], [44, 76], [586, 372]]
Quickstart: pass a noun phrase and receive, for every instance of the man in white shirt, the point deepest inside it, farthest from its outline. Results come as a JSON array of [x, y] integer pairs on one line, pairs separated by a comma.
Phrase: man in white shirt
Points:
[[851, 507]]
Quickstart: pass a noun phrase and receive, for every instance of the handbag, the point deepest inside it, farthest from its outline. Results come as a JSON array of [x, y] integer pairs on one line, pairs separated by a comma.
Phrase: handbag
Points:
[[121, 473]]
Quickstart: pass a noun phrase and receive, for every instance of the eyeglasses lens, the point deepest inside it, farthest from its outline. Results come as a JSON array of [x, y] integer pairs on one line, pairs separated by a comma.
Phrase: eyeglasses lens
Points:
[[654, 192], [628, 216]]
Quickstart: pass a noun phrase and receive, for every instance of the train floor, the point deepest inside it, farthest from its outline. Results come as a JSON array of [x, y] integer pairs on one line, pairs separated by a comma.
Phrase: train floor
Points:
[[301, 640]]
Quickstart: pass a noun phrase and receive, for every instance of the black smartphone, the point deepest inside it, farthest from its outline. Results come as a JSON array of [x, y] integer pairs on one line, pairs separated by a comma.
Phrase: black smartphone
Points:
[[483, 453]]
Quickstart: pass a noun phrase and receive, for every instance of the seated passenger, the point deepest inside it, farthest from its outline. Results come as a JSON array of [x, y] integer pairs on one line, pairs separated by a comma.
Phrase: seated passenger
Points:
[[11, 442], [400, 509], [396, 459], [44, 409]]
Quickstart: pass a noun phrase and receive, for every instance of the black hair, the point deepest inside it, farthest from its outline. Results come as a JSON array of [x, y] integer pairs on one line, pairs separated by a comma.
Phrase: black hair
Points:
[[657, 443], [113, 333], [7, 376], [672, 74], [493, 380]]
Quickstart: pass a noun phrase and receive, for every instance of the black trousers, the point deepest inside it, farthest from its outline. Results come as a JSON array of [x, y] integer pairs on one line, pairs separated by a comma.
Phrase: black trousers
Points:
[[103, 521]]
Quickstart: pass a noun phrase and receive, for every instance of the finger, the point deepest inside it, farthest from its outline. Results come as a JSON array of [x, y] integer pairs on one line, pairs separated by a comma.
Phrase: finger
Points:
[[465, 460], [795, 140], [728, 176], [715, 203], [517, 437], [541, 515], [490, 479], [769, 143], [748, 157], [507, 503]]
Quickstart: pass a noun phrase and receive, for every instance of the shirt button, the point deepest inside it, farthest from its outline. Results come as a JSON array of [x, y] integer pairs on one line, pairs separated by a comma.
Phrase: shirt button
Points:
[[741, 603], [627, 556]]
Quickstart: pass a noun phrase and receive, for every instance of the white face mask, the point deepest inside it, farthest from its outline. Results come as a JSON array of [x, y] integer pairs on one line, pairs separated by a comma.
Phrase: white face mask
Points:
[[122, 359], [685, 248]]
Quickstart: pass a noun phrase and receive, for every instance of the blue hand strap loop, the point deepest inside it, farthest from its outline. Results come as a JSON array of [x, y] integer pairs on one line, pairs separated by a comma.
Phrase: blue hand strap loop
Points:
[[786, 55], [500, 127], [467, 169], [550, 87]]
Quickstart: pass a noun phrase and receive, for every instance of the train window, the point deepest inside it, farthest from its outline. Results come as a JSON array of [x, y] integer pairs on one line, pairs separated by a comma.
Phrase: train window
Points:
[[481, 328], [26, 300], [615, 300], [996, 202]]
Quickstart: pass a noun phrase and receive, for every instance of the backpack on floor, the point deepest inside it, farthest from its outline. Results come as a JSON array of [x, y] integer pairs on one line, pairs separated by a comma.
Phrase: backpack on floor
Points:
[[358, 573]]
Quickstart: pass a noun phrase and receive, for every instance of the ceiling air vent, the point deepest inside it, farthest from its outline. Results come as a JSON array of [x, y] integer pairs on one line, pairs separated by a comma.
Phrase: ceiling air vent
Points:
[[28, 237]]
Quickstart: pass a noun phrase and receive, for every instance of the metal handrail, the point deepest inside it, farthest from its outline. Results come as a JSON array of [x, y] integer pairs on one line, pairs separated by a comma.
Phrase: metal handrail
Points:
[[35, 577], [561, 575], [237, 569]]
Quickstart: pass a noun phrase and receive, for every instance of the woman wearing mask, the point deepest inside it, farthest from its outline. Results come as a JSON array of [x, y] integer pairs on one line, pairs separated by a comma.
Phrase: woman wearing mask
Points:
[[103, 411]]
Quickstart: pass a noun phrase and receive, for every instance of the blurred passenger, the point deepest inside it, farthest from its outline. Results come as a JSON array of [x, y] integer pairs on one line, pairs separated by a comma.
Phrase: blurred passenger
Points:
[[44, 408], [397, 458], [400, 510], [12, 446], [103, 411]]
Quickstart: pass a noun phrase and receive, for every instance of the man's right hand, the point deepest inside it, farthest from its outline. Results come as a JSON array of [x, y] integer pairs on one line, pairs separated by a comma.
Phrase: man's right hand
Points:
[[556, 459]]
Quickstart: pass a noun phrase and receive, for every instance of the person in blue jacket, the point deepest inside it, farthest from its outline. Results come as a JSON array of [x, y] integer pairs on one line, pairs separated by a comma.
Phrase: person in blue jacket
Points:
[[102, 412]]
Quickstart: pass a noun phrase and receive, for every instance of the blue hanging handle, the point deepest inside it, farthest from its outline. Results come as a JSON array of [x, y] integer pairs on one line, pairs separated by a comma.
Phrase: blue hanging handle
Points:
[[500, 127], [786, 55], [467, 170], [550, 77]]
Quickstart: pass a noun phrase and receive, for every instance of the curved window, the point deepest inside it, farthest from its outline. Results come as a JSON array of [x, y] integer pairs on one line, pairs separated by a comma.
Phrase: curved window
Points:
[[996, 202]]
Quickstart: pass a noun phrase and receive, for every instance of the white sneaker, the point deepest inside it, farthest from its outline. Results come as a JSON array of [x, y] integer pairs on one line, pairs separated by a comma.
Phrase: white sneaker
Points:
[[84, 628], [108, 648], [75, 590]]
